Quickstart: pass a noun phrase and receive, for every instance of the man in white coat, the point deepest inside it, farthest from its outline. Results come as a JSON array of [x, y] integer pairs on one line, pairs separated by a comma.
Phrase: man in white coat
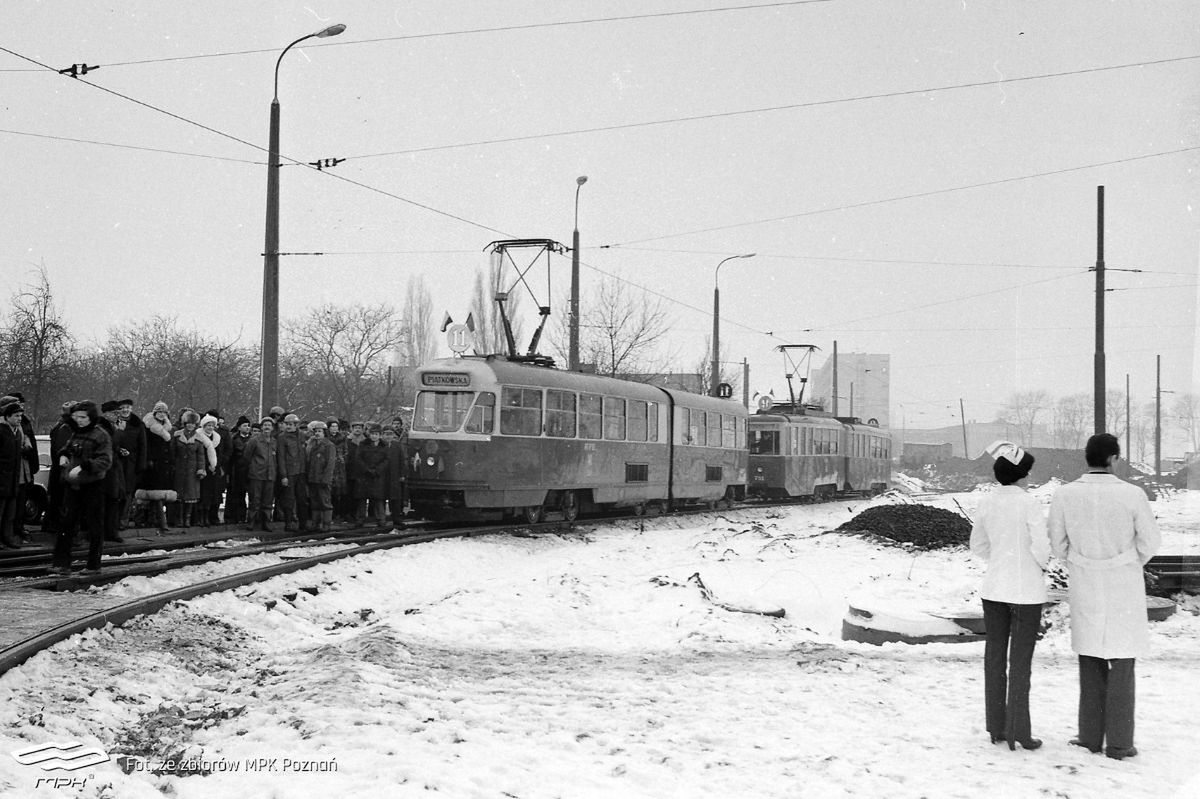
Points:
[[1104, 529]]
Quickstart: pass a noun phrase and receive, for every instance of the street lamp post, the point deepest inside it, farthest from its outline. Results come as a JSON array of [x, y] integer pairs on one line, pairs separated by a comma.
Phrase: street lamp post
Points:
[[716, 335], [573, 351], [269, 378]]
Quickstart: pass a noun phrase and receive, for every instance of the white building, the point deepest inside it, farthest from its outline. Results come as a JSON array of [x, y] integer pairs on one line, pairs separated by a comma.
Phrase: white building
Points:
[[864, 386]]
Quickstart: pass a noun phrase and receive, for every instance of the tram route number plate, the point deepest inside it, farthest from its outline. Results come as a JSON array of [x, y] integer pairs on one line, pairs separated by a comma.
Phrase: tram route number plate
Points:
[[442, 379]]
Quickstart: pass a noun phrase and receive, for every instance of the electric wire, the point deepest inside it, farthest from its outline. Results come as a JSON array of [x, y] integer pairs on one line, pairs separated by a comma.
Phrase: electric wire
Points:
[[465, 32]]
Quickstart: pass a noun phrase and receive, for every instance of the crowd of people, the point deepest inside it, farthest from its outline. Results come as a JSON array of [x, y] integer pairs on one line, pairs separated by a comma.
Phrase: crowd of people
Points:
[[111, 469]]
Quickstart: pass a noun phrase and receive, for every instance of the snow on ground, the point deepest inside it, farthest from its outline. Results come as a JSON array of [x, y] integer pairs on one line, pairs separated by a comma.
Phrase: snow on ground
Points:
[[586, 664]]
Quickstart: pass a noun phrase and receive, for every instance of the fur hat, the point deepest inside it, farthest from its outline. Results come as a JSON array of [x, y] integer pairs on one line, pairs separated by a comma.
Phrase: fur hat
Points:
[[189, 416], [9, 408], [88, 407], [374, 427], [265, 420], [126, 401], [291, 417], [277, 410], [160, 406], [213, 412], [66, 407], [317, 424], [109, 406], [241, 420], [208, 417], [17, 395]]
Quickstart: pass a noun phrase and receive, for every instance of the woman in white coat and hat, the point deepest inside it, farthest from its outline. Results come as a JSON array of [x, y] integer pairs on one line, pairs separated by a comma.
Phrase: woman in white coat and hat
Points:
[[1010, 534], [1103, 528]]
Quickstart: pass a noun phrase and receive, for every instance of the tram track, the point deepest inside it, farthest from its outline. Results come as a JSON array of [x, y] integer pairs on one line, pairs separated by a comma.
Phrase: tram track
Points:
[[339, 544]]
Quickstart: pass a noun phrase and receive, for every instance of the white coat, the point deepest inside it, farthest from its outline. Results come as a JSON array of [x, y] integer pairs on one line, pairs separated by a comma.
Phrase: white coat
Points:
[[1010, 534], [1104, 529]]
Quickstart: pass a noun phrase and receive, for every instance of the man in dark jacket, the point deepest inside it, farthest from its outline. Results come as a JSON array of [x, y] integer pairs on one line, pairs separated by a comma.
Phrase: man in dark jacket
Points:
[[261, 459], [30, 453], [114, 481], [85, 461], [224, 468], [293, 494], [60, 434], [239, 479], [14, 472], [133, 439]]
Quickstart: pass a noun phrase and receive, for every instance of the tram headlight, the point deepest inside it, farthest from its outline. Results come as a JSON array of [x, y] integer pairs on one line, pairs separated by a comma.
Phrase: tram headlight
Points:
[[431, 461]]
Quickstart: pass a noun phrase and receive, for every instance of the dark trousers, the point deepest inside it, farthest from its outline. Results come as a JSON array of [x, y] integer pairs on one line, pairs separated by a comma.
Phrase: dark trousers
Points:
[[235, 498], [262, 497], [83, 504], [18, 522], [1007, 662], [8, 512], [112, 517], [293, 499], [1106, 702]]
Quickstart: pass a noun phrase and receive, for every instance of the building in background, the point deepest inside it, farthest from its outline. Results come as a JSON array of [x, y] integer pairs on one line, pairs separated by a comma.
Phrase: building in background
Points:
[[865, 377]]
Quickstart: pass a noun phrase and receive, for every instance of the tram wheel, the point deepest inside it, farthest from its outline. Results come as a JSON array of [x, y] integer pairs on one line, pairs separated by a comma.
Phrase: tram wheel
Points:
[[638, 509], [532, 513], [570, 506]]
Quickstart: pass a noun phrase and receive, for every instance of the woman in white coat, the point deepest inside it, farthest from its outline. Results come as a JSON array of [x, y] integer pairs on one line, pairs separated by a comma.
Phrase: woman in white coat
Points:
[[1010, 534], [1104, 529]]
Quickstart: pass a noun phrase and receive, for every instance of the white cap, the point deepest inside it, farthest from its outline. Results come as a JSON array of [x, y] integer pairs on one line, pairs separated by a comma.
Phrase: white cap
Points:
[[1007, 450]]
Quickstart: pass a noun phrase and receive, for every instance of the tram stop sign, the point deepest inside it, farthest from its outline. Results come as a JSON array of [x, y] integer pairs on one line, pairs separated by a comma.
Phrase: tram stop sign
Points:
[[724, 390], [458, 337]]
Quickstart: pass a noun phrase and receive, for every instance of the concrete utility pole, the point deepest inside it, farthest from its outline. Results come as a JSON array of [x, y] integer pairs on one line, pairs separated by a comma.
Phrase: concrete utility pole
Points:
[[715, 372], [573, 326], [268, 392], [1098, 366]]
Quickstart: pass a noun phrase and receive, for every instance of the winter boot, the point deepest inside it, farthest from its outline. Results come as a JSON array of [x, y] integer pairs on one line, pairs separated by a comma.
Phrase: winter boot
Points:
[[160, 511], [185, 514]]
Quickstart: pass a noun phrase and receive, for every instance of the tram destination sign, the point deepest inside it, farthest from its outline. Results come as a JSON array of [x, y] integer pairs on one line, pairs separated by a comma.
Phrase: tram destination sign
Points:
[[446, 379]]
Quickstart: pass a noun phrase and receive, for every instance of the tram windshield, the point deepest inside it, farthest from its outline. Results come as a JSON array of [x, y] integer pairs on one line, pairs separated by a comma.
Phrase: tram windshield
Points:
[[446, 411], [764, 442]]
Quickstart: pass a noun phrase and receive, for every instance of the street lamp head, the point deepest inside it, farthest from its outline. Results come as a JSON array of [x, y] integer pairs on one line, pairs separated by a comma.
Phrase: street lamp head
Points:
[[332, 30], [579, 181]]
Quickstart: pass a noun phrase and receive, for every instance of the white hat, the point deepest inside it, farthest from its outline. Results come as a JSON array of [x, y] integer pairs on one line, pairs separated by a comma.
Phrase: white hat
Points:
[[1007, 450]]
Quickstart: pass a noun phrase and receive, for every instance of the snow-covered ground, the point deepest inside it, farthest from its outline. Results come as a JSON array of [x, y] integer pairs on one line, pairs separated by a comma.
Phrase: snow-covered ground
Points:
[[586, 665]]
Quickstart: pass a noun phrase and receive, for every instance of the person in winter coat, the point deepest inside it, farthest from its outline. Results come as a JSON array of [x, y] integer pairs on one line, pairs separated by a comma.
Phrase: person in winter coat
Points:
[[133, 438], [60, 434], [397, 460], [239, 479], [1104, 529], [320, 459], [338, 487], [189, 458], [114, 481], [210, 485], [29, 452], [293, 485], [224, 470], [1010, 534], [261, 459], [370, 468], [14, 471], [85, 460], [159, 474]]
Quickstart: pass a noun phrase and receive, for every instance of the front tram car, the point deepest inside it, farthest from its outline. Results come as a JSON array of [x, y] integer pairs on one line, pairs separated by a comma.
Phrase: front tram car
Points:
[[494, 438], [801, 452]]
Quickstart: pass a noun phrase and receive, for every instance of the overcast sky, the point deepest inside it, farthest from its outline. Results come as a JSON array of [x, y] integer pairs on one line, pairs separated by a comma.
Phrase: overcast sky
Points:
[[917, 178]]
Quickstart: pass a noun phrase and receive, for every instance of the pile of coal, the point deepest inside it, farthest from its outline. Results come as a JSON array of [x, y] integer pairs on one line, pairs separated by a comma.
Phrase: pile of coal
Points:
[[921, 526]]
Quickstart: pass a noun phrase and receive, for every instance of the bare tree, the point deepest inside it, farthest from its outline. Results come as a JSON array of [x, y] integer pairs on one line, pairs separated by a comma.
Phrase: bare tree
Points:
[[1143, 429], [489, 328], [416, 324], [336, 359], [1069, 423], [1023, 410], [620, 331], [1186, 413], [38, 349], [1114, 412]]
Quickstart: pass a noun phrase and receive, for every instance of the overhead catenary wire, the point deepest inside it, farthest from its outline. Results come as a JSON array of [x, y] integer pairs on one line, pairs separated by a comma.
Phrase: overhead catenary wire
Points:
[[466, 32]]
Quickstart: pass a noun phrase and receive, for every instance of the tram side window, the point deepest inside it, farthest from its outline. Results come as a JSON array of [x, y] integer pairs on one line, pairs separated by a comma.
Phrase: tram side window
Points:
[[728, 431], [764, 442], [483, 414], [560, 414], [652, 421], [637, 420], [591, 417], [521, 411], [741, 434], [714, 429], [696, 428], [614, 419]]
